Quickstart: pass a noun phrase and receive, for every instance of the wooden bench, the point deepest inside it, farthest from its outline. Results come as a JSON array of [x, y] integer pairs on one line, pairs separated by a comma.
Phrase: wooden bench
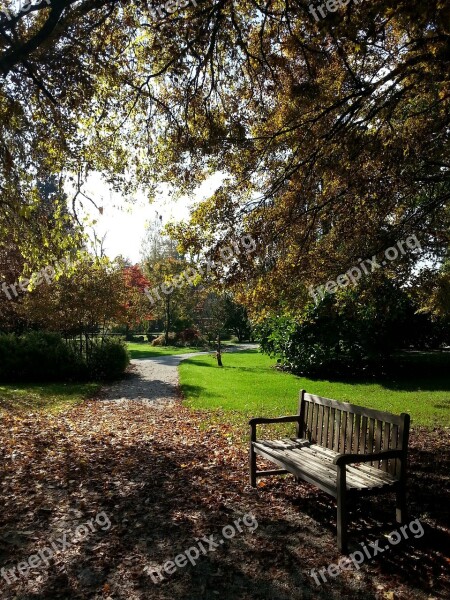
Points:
[[343, 449]]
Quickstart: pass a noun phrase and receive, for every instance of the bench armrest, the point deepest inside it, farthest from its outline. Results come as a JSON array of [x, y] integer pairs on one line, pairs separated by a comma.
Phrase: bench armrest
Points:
[[346, 459], [261, 420]]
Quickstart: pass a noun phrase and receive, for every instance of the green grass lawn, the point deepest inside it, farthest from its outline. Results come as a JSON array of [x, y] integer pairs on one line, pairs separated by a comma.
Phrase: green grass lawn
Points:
[[249, 385], [46, 397], [144, 350]]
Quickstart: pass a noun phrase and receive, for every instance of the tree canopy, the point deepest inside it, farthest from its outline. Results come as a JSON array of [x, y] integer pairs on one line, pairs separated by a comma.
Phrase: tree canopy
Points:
[[333, 134]]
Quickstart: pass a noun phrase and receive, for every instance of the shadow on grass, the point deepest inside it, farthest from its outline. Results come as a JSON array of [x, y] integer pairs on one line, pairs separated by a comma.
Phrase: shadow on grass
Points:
[[195, 391], [408, 372], [212, 362], [47, 397], [249, 369], [443, 406], [431, 384], [398, 384], [168, 351]]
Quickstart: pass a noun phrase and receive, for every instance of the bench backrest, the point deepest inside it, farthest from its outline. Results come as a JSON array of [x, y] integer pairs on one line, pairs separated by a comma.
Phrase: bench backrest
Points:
[[347, 428]]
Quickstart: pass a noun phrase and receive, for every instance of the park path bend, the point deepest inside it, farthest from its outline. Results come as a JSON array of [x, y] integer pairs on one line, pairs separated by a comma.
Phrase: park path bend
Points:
[[154, 380]]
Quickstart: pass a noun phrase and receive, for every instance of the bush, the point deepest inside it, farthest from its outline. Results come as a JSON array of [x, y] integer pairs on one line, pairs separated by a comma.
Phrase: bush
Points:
[[190, 337], [38, 356], [161, 340], [347, 334], [8, 357], [136, 339], [108, 359]]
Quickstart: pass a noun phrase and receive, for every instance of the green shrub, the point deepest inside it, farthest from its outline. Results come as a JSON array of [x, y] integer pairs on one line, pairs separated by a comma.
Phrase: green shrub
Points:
[[136, 339], [48, 354], [351, 333], [40, 356], [108, 359], [9, 349]]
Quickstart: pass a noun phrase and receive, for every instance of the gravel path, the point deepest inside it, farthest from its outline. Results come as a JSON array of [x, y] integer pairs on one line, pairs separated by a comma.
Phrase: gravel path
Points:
[[154, 380]]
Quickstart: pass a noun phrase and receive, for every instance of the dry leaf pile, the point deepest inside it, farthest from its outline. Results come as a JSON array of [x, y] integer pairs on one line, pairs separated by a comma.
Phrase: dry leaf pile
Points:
[[168, 476]]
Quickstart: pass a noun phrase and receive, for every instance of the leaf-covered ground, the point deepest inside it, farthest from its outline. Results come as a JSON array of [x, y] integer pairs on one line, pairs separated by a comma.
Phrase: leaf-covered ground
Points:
[[165, 477]]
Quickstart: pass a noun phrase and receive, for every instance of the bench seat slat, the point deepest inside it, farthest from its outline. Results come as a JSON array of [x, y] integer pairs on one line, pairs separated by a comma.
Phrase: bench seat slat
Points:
[[365, 468], [373, 474], [324, 455], [315, 467], [295, 470], [327, 480], [355, 478], [298, 456]]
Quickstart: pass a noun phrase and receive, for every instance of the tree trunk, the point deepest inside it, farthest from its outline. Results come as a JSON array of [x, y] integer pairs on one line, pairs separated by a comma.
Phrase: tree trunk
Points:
[[167, 324], [219, 353]]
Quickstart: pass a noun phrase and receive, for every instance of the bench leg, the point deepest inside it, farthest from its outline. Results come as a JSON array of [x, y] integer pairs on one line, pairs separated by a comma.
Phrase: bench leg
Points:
[[341, 510], [252, 465], [400, 511], [252, 455], [342, 527]]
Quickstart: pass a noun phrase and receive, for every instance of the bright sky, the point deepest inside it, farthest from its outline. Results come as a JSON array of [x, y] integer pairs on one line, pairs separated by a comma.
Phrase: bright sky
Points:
[[125, 224]]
